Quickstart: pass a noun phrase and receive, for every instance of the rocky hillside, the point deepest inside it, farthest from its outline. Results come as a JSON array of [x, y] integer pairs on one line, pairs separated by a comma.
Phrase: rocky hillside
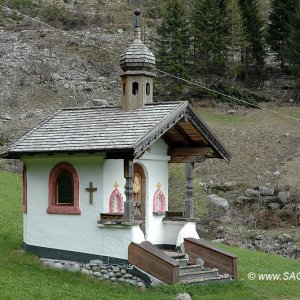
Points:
[[43, 70]]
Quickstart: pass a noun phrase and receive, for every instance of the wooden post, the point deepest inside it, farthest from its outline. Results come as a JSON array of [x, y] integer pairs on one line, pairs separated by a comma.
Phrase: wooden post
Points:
[[128, 204], [189, 203]]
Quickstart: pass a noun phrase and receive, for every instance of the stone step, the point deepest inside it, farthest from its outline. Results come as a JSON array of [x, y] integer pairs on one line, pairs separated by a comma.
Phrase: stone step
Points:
[[175, 255], [202, 281], [182, 262], [189, 274], [191, 269]]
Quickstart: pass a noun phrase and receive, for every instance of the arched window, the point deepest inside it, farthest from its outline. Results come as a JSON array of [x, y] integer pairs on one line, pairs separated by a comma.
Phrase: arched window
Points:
[[116, 203], [24, 190], [135, 88], [124, 88], [148, 88], [63, 190], [159, 200]]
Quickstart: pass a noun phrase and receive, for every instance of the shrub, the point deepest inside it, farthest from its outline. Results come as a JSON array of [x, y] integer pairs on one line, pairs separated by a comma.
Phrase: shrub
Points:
[[59, 16]]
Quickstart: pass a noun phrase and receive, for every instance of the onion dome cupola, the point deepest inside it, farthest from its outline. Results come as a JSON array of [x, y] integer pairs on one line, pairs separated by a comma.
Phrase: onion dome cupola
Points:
[[137, 63]]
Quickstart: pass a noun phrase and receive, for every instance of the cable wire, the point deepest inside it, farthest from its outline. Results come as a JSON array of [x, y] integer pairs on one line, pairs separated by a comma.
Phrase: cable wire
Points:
[[155, 69]]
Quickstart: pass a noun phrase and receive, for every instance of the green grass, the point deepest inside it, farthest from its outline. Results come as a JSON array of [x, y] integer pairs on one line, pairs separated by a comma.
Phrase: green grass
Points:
[[223, 119], [23, 277]]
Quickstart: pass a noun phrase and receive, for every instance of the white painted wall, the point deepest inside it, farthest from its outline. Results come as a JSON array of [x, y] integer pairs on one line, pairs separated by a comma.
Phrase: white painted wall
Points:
[[81, 233]]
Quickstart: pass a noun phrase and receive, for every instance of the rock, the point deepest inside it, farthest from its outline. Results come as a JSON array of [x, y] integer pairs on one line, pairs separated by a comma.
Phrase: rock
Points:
[[72, 268], [250, 221], [120, 30], [6, 117], [248, 246], [251, 193], [216, 206], [97, 274], [85, 271], [183, 296], [284, 196], [259, 237], [56, 77], [96, 268], [49, 264], [111, 274], [231, 112], [276, 174], [141, 284], [95, 262], [199, 262], [285, 238], [266, 191], [274, 206], [106, 276], [121, 279], [87, 89], [116, 269], [100, 102], [259, 178], [225, 220], [295, 254], [58, 266], [127, 276]]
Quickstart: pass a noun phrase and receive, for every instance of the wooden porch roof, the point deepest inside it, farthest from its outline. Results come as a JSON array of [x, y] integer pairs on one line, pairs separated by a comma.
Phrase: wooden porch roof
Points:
[[122, 134]]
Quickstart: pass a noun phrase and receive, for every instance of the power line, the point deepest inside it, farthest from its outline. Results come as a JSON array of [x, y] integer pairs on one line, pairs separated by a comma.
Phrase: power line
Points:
[[158, 70]]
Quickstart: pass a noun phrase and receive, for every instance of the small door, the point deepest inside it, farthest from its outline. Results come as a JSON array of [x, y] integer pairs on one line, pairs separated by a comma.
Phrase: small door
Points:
[[139, 192]]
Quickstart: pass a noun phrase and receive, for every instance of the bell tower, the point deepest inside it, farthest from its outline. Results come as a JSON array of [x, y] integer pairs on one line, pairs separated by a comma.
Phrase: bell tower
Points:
[[137, 63]]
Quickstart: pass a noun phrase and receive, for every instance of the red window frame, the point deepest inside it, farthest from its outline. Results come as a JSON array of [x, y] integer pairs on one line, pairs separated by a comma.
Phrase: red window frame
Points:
[[53, 207]]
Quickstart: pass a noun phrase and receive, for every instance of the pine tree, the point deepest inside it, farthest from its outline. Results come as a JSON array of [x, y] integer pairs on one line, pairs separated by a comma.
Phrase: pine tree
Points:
[[294, 43], [237, 40], [254, 52], [172, 47], [279, 27], [210, 33]]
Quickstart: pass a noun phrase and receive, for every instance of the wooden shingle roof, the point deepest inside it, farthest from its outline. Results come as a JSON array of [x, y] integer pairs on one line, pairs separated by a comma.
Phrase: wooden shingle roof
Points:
[[122, 134]]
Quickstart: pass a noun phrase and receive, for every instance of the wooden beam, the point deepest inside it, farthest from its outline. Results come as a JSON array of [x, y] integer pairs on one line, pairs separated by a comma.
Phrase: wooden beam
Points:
[[128, 204], [184, 134], [189, 203], [191, 158], [190, 151]]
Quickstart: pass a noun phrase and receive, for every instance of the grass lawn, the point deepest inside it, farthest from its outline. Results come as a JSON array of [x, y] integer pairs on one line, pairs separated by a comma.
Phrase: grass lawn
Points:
[[23, 277]]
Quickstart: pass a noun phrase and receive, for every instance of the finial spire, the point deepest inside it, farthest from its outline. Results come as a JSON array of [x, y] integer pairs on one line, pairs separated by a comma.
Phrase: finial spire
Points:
[[137, 26]]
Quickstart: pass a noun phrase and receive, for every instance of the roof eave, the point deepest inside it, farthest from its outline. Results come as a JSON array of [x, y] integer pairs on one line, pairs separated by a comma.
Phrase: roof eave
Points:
[[216, 144]]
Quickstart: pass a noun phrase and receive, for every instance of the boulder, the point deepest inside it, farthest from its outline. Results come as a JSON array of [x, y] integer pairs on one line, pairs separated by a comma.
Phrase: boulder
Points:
[[216, 206], [284, 196], [199, 262], [183, 296], [100, 102], [266, 191], [285, 238], [274, 205], [250, 221], [251, 193]]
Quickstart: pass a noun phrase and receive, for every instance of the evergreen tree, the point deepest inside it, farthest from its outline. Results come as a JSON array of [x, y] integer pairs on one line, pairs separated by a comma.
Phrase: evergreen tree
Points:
[[210, 33], [279, 27], [254, 52], [172, 47], [237, 40], [294, 43]]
